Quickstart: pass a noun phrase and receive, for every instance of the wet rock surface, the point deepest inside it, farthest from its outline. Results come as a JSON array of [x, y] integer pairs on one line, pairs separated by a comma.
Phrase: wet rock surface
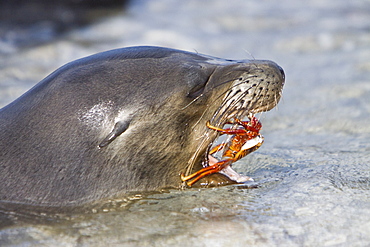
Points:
[[313, 170]]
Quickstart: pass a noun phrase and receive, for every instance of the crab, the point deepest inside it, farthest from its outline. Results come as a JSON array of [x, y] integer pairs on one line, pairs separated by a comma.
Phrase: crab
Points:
[[245, 139]]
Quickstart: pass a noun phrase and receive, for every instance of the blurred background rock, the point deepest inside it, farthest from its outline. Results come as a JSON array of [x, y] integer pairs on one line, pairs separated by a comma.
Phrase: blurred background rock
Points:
[[24, 23]]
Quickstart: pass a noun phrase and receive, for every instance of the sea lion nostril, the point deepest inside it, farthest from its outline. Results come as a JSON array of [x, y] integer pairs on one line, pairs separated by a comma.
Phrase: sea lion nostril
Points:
[[282, 72]]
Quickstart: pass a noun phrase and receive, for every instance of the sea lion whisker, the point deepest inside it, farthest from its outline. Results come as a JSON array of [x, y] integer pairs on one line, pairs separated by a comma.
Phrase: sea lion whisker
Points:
[[238, 78], [222, 94], [227, 100], [250, 54], [199, 119], [225, 116], [226, 91], [191, 161], [277, 99], [226, 111], [243, 81], [240, 97], [258, 101], [234, 85], [202, 94], [218, 97], [191, 102], [217, 111]]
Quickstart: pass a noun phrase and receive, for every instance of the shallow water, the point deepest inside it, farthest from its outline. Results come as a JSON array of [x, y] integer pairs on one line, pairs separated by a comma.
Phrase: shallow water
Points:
[[313, 170]]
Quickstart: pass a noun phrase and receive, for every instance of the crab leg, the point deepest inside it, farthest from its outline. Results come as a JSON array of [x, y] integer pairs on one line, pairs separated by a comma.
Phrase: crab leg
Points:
[[205, 171]]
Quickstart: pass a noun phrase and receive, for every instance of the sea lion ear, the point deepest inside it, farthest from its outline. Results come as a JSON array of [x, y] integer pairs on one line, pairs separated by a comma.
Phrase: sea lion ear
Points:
[[119, 128], [198, 81], [197, 85]]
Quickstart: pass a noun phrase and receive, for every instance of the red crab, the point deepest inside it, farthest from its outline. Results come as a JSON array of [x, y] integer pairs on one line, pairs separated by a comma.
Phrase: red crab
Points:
[[245, 140]]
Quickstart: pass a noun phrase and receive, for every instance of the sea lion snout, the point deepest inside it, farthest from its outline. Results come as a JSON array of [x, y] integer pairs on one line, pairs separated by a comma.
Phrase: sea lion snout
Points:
[[257, 87]]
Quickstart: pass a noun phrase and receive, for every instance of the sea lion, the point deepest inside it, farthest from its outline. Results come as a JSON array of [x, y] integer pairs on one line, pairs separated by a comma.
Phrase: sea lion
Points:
[[129, 119]]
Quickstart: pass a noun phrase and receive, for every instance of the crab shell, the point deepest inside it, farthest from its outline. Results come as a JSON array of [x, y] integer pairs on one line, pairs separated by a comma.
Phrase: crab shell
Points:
[[229, 171]]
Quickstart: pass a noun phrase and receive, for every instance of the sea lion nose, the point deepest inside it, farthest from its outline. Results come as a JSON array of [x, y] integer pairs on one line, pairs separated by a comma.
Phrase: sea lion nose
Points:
[[282, 73]]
